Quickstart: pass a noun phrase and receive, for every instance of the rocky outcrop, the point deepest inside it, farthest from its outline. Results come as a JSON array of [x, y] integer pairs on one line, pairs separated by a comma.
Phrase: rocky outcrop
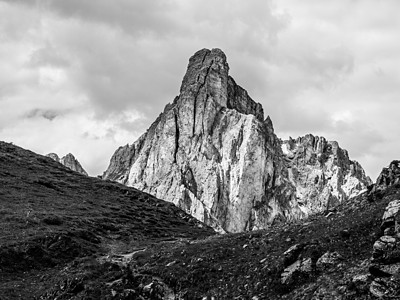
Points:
[[389, 176], [69, 161], [385, 262], [322, 173], [212, 153]]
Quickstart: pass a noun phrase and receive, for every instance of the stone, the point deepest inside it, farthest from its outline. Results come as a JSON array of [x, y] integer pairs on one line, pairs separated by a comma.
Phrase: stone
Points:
[[212, 153], [385, 262], [384, 249], [291, 254], [361, 282], [391, 218], [69, 161], [299, 268], [385, 288], [328, 260]]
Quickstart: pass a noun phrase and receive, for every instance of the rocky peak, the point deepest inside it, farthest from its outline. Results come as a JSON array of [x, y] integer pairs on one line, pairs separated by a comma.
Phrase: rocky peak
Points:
[[53, 156], [322, 172], [69, 161], [212, 153], [389, 175], [207, 77]]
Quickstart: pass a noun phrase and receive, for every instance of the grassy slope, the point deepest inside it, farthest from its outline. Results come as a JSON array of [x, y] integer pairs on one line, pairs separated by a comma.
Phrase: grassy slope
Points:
[[115, 219], [240, 266], [249, 264], [50, 216]]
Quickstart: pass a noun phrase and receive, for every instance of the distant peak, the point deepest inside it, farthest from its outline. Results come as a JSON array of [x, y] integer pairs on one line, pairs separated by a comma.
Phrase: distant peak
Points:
[[53, 156], [68, 161]]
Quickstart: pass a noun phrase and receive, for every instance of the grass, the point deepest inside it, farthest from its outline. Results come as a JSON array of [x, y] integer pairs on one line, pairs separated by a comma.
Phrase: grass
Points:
[[51, 216], [64, 236]]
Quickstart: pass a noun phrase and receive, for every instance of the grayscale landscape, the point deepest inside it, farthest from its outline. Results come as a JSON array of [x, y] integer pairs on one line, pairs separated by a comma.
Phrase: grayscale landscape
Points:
[[199, 150]]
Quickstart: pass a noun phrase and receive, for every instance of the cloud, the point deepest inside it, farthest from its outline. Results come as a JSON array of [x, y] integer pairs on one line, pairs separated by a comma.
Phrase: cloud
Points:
[[47, 114], [317, 67]]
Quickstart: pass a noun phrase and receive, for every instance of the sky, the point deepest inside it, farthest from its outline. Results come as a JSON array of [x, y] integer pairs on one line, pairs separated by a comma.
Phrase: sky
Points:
[[89, 76]]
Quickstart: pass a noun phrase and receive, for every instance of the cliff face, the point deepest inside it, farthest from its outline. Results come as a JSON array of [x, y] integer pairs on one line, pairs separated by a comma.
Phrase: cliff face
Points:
[[212, 153], [69, 161], [322, 173], [389, 176]]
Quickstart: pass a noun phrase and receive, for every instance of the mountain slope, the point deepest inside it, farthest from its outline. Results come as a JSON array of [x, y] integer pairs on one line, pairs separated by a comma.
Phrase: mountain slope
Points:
[[50, 216], [335, 250], [212, 153]]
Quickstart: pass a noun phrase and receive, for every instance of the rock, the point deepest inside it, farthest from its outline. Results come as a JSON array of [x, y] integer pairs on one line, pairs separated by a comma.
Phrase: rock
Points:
[[388, 177], [322, 172], [53, 156], [212, 154], [328, 260], [69, 161], [385, 288], [385, 250], [385, 262], [361, 282], [391, 218], [299, 268], [291, 254]]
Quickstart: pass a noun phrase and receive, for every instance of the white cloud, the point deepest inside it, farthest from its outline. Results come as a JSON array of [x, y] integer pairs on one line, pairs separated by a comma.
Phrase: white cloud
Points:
[[86, 75]]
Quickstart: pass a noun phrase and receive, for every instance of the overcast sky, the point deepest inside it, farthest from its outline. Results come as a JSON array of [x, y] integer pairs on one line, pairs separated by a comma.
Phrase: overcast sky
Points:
[[88, 76]]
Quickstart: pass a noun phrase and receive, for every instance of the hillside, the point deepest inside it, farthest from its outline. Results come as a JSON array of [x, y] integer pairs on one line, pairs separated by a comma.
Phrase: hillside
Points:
[[51, 216], [68, 236]]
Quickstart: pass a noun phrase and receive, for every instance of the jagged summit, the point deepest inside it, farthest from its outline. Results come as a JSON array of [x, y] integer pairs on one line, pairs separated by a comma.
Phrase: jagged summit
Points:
[[208, 71], [212, 153], [69, 161], [322, 172]]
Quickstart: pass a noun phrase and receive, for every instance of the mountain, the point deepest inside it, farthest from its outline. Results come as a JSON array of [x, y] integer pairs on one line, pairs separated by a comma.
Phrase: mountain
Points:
[[322, 173], [212, 153], [389, 176], [69, 161], [51, 216]]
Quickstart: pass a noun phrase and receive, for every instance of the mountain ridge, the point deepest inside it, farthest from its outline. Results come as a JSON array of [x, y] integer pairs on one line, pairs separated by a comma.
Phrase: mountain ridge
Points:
[[70, 162], [212, 153]]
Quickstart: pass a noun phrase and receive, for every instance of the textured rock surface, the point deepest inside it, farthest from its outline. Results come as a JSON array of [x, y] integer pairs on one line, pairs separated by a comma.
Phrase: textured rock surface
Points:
[[388, 177], [69, 161], [212, 153], [385, 262], [322, 173]]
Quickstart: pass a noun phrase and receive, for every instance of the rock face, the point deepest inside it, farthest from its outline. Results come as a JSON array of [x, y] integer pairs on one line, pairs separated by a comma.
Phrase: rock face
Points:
[[69, 161], [322, 173], [385, 262], [212, 154], [389, 176]]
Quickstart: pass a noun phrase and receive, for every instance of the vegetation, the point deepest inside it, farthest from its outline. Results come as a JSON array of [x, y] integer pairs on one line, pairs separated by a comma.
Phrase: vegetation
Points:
[[67, 236]]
